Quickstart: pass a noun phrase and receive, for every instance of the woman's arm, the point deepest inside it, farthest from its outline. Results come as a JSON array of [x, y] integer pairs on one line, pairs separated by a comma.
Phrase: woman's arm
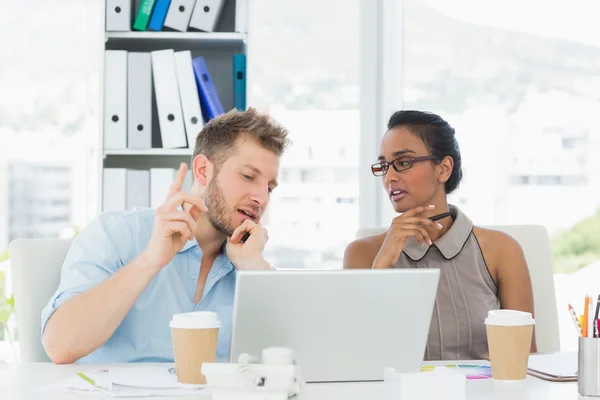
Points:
[[511, 273], [361, 253]]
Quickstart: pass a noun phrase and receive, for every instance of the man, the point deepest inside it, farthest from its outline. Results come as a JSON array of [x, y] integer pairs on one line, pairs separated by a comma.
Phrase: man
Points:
[[128, 272]]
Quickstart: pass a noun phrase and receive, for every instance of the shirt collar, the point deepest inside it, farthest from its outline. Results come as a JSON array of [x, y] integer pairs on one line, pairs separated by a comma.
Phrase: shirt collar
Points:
[[193, 244], [450, 244], [188, 245]]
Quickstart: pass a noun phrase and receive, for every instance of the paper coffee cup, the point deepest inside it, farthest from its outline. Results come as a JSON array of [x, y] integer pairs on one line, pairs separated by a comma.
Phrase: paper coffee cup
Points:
[[195, 337], [509, 334]]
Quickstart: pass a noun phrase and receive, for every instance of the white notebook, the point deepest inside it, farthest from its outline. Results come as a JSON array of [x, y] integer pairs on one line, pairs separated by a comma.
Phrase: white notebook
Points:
[[558, 365]]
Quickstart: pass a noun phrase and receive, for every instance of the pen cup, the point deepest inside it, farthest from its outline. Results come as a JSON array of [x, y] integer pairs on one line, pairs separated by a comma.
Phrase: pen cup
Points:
[[588, 374]]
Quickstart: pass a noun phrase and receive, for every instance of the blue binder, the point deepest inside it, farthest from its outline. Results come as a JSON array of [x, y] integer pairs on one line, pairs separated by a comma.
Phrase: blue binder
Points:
[[209, 98], [239, 81], [159, 15]]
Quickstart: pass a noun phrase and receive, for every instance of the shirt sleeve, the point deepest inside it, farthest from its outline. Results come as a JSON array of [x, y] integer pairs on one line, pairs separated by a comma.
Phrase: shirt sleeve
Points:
[[92, 258]]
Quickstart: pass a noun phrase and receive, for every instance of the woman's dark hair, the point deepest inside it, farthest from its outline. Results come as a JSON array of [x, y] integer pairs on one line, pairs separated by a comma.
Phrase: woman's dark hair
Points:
[[437, 135]]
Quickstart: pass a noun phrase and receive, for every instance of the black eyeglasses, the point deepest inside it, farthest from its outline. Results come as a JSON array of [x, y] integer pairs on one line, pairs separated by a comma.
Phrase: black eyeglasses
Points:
[[399, 164]]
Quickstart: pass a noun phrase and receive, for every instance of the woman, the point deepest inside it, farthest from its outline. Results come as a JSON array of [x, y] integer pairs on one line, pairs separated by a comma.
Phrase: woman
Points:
[[481, 269]]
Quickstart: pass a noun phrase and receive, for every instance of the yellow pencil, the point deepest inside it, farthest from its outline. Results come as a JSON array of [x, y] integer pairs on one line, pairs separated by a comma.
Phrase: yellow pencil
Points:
[[586, 304]]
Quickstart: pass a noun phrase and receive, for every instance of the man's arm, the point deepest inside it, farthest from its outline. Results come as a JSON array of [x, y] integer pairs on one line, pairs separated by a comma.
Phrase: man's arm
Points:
[[96, 292], [86, 321]]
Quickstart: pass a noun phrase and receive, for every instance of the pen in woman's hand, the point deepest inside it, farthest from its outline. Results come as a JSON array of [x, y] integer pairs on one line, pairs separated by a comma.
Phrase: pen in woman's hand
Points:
[[440, 216]]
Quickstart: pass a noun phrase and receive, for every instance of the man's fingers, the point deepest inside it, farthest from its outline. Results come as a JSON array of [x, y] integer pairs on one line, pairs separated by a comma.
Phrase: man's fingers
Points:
[[238, 233], [184, 197], [179, 227], [181, 216], [196, 212], [179, 179]]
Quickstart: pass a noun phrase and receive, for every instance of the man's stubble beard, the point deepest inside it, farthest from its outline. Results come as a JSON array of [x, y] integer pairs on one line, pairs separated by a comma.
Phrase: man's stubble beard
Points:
[[217, 208]]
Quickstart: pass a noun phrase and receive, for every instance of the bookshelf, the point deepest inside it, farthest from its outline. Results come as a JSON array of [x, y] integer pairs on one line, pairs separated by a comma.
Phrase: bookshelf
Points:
[[148, 152], [229, 37], [216, 38]]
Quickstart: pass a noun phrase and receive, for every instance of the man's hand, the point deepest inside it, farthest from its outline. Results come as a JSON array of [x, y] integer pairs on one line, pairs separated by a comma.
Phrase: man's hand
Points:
[[247, 255], [172, 228]]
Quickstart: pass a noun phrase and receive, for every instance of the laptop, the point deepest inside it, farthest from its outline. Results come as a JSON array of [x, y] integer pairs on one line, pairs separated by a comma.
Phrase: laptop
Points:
[[343, 325]]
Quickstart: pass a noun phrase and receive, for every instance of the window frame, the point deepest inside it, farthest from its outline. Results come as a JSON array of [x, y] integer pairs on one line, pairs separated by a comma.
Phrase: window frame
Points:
[[381, 93]]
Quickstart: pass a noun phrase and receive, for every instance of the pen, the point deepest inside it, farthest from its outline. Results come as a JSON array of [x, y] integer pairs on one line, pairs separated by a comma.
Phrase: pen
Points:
[[440, 216], [597, 333], [591, 320], [575, 320]]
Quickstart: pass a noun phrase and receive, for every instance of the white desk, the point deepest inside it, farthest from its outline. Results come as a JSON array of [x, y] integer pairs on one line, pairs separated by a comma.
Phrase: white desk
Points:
[[21, 381]]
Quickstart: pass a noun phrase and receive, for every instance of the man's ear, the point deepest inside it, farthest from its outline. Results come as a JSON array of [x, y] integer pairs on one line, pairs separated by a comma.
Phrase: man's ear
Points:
[[445, 169], [202, 169]]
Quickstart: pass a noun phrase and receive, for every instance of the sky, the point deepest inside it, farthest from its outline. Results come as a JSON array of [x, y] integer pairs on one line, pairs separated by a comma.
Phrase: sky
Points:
[[575, 20]]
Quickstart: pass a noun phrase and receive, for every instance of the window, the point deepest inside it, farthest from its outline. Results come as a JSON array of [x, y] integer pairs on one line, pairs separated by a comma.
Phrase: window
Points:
[[344, 200], [345, 175], [304, 71], [309, 175], [518, 80], [50, 61]]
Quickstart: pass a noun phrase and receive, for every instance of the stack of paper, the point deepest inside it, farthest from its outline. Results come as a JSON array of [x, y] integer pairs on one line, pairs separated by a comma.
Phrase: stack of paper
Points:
[[127, 381], [554, 366]]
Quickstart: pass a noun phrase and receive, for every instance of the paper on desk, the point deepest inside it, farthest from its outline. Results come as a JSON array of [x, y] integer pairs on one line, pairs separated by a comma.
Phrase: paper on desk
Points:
[[144, 376], [79, 383], [555, 364], [131, 381]]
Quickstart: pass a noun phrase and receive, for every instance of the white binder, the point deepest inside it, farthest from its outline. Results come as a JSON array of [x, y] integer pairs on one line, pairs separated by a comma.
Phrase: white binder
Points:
[[115, 99], [138, 188], [242, 10], [118, 15], [179, 14], [170, 117], [206, 15], [114, 185], [161, 180], [188, 93], [139, 101]]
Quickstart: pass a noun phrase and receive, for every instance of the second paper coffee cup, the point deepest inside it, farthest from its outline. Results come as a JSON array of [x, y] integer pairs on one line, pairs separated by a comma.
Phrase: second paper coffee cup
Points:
[[195, 337], [509, 334]]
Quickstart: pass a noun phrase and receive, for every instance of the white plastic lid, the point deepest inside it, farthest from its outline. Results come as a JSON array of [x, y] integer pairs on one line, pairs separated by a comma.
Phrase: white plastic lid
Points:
[[509, 318], [195, 320]]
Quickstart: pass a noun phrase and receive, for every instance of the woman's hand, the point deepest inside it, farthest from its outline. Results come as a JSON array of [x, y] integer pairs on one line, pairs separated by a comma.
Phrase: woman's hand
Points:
[[409, 224]]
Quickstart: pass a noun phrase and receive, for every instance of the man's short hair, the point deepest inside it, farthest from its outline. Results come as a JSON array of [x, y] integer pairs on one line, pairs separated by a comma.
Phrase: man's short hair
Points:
[[218, 137]]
